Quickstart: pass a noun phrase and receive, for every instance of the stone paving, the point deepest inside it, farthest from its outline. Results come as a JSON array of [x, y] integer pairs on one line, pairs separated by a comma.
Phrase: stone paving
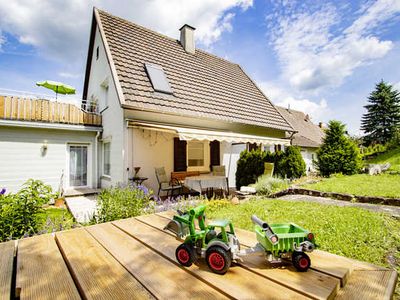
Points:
[[82, 207], [394, 211]]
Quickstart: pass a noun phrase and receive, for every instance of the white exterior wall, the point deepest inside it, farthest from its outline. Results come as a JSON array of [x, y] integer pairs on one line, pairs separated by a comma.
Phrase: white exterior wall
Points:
[[21, 156], [151, 149], [230, 155], [308, 154], [112, 114]]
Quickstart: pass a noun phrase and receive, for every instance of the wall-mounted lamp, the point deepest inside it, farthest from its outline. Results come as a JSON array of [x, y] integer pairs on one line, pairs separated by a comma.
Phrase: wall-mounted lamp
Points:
[[44, 148]]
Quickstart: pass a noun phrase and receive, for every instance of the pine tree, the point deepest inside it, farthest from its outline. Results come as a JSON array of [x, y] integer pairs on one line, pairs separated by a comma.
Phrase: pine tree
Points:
[[382, 119], [338, 153]]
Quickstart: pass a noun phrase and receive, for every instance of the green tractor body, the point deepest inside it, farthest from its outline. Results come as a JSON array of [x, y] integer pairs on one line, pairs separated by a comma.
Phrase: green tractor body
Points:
[[216, 241]]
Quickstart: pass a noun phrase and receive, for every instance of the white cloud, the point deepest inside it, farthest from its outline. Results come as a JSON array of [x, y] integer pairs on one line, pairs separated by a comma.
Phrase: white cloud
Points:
[[319, 111], [60, 28], [397, 86], [315, 52], [69, 75]]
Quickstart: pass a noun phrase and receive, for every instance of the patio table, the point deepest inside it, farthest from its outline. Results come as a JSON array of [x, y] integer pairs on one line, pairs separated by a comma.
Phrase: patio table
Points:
[[206, 181]]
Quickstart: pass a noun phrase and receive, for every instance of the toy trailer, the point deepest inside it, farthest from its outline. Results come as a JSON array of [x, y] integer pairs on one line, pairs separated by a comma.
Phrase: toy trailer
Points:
[[286, 240]]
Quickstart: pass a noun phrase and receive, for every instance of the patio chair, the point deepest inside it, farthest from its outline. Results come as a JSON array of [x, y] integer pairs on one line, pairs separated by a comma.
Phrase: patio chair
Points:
[[268, 169], [165, 185], [220, 171]]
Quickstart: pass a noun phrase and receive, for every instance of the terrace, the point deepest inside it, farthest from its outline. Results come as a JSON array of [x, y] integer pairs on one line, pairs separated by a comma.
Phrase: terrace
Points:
[[135, 258]]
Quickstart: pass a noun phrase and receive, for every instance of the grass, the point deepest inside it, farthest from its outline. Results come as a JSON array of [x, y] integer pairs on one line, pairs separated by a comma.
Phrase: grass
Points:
[[352, 232], [392, 156], [383, 185], [55, 219]]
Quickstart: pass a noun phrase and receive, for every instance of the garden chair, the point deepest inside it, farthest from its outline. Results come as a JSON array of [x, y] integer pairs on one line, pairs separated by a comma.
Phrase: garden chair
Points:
[[268, 169], [165, 185], [220, 171]]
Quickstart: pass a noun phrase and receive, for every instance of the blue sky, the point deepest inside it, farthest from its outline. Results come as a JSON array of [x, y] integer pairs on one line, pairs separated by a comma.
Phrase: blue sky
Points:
[[322, 57]]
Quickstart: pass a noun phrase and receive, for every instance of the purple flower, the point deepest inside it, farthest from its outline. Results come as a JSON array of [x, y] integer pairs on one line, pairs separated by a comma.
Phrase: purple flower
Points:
[[3, 191], [144, 189]]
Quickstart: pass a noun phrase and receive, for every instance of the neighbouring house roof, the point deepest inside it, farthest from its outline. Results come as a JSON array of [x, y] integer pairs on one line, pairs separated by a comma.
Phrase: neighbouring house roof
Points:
[[203, 85], [308, 134]]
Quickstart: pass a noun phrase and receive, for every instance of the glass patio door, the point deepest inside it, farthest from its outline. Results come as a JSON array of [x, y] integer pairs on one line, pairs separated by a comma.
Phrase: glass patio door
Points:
[[78, 165]]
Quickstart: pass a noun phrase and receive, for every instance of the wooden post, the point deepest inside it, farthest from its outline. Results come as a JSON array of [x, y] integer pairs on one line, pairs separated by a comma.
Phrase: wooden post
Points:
[[2, 107]]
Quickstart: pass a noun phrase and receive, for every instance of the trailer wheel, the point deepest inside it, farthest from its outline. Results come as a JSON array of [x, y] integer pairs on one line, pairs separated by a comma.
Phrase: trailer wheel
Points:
[[218, 259], [185, 254], [301, 261]]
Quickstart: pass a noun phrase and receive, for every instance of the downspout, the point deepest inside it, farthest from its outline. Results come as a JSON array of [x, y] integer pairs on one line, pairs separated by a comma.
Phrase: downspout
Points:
[[96, 162]]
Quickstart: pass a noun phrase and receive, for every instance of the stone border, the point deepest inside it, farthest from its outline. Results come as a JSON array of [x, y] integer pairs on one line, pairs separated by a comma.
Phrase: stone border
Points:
[[338, 196]]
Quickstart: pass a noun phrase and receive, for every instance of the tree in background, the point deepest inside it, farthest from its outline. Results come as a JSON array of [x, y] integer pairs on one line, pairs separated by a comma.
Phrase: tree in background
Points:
[[382, 118], [338, 153], [291, 165]]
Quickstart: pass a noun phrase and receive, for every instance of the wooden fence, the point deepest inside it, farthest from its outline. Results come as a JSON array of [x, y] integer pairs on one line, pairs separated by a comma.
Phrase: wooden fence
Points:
[[37, 110]]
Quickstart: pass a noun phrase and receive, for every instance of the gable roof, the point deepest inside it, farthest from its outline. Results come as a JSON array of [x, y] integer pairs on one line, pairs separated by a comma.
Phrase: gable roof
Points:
[[308, 134], [203, 85]]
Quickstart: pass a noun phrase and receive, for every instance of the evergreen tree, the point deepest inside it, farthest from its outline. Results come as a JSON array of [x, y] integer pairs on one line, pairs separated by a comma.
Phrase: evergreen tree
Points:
[[383, 114], [338, 153]]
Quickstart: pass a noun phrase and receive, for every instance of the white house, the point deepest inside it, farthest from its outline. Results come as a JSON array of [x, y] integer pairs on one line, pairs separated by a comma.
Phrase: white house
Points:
[[162, 103], [308, 135], [165, 103]]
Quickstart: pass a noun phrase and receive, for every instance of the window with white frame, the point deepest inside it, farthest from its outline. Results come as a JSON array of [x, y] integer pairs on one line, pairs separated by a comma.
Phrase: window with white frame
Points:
[[106, 158], [198, 156]]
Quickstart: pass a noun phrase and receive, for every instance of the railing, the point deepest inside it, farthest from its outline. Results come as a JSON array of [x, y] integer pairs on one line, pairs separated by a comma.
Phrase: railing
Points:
[[42, 110]]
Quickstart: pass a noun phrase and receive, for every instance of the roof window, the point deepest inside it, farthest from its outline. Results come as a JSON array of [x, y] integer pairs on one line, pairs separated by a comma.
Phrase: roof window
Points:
[[158, 78]]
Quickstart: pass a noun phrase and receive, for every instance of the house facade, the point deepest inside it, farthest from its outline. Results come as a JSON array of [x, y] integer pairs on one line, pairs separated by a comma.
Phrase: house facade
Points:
[[308, 136], [165, 103], [160, 102], [49, 141]]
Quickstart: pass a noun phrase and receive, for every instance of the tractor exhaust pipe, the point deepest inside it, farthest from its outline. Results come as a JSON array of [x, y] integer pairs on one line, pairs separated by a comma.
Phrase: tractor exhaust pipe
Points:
[[266, 228]]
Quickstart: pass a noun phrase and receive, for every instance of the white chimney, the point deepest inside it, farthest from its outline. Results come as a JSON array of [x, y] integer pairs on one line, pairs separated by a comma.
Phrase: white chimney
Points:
[[187, 38]]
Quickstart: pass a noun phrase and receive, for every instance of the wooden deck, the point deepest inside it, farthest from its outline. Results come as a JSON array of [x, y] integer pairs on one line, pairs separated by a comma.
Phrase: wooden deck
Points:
[[135, 259]]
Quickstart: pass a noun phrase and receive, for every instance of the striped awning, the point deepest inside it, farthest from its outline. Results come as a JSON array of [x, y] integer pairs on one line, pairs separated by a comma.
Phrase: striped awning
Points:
[[189, 134]]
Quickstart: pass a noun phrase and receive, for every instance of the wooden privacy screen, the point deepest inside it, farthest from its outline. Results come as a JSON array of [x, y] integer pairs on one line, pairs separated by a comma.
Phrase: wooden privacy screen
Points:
[[37, 110]]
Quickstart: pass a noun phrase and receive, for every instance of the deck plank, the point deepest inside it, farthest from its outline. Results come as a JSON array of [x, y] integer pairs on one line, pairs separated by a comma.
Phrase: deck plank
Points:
[[369, 284], [41, 270], [7, 251], [164, 279], [238, 282], [313, 284], [97, 274], [324, 262]]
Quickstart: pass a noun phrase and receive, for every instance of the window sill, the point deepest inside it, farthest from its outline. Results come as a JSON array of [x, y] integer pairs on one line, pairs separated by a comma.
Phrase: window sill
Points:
[[105, 177]]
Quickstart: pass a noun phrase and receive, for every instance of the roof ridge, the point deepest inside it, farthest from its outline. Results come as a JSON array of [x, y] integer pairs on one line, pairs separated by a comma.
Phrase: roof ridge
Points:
[[163, 35]]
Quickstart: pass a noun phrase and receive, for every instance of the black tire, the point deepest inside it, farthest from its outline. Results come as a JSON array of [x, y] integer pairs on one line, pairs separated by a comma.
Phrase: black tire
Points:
[[301, 261], [185, 254], [218, 259]]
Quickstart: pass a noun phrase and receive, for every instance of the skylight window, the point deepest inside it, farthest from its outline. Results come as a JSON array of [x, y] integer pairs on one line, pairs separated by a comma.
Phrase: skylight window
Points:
[[158, 79]]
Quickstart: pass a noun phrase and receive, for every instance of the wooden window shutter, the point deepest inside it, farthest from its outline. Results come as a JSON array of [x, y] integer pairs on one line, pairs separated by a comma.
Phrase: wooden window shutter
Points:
[[179, 155], [214, 154], [252, 146]]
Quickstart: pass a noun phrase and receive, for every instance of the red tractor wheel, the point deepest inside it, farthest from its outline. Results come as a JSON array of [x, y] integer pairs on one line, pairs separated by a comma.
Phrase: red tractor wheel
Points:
[[185, 255], [301, 261], [218, 259]]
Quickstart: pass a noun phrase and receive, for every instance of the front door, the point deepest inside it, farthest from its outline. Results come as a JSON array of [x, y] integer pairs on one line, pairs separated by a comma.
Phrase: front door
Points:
[[78, 166]]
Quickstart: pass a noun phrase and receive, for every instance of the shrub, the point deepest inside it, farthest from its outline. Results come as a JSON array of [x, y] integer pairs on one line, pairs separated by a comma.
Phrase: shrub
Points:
[[37, 191], [267, 185], [338, 154], [291, 164], [122, 202], [250, 166]]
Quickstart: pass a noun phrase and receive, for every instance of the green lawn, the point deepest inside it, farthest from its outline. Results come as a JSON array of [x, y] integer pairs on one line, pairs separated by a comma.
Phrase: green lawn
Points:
[[384, 185], [55, 219], [391, 156], [347, 231]]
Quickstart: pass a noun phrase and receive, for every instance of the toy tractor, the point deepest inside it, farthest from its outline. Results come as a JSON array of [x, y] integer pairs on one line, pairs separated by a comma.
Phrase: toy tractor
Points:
[[216, 241], [286, 240]]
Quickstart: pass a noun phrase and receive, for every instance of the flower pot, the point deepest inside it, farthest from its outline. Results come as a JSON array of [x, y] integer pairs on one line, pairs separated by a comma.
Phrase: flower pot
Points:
[[59, 202]]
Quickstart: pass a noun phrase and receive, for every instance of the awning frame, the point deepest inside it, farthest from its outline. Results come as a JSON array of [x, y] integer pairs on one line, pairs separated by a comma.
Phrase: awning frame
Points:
[[189, 134]]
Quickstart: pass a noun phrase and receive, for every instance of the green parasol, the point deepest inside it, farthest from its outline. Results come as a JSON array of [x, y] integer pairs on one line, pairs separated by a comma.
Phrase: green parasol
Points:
[[58, 87]]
